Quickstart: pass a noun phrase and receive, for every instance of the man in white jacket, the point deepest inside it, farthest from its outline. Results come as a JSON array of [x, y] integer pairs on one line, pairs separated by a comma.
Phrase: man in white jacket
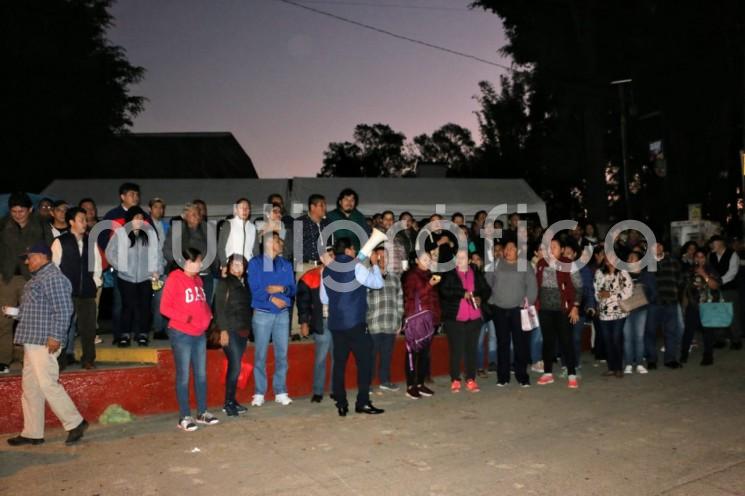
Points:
[[237, 234]]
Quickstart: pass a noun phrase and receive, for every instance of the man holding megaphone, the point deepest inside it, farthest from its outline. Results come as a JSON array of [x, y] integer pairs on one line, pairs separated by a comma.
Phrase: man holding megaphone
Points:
[[344, 290]]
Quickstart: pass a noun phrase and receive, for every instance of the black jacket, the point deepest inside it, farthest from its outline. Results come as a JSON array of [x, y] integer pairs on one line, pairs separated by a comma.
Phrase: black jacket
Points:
[[452, 291], [233, 305], [308, 300]]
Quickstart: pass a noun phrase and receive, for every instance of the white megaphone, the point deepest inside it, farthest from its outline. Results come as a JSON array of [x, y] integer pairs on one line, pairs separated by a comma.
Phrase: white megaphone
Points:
[[375, 239]]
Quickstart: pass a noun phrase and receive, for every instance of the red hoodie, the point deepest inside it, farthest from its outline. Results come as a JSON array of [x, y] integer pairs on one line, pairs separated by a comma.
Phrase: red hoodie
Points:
[[185, 304]]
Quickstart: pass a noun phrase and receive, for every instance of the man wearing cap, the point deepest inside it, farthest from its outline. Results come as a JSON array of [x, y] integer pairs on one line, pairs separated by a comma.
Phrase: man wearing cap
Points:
[[18, 230], [43, 320]]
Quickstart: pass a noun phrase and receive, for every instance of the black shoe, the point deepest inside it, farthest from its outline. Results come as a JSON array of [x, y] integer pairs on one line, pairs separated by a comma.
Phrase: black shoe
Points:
[[413, 392], [736, 346], [76, 434], [20, 441], [651, 365], [343, 410], [160, 335], [230, 410], [684, 357], [708, 359], [316, 398], [142, 340], [369, 409], [70, 358], [4, 368], [239, 408], [333, 398], [123, 342], [673, 365], [425, 391]]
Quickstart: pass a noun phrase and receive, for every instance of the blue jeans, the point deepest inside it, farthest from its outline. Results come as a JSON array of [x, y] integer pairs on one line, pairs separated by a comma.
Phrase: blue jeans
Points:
[[234, 353], [633, 336], [324, 346], [116, 308], [265, 326], [670, 318], [487, 328], [383, 346], [71, 331], [536, 345], [612, 331], [189, 351]]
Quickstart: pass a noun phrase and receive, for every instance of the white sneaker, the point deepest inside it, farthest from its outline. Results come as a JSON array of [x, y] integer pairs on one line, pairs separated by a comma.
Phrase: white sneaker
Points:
[[207, 418], [282, 399], [257, 400], [628, 370], [537, 367], [640, 369], [187, 424]]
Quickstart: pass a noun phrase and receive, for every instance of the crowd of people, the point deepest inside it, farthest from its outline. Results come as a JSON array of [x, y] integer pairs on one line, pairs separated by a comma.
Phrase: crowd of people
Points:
[[527, 302]]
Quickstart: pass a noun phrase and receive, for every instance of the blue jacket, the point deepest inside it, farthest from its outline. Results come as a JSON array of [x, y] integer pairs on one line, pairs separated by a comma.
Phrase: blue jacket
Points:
[[348, 309], [588, 288], [280, 274]]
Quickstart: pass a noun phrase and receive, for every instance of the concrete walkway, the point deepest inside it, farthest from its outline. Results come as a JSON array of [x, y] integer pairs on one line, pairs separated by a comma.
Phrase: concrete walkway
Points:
[[670, 432]]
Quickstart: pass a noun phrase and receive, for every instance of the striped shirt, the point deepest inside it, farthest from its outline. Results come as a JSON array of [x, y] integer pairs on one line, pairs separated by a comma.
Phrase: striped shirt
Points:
[[385, 306], [46, 308]]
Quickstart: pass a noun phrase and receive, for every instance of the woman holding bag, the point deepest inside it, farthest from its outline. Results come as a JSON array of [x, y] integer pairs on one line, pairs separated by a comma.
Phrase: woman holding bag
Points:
[[462, 292], [612, 286], [418, 285], [233, 312], [184, 303], [702, 283], [511, 289]]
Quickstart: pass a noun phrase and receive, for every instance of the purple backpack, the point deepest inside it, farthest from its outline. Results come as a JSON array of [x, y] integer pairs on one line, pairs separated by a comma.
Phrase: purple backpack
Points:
[[418, 330]]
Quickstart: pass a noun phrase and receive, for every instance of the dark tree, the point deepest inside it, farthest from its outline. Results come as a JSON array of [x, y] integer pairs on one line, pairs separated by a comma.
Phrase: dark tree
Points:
[[377, 151], [685, 61], [65, 90], [451, 144]]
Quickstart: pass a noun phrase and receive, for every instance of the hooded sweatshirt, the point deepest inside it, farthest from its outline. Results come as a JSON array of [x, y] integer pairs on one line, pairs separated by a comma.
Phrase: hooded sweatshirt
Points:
[[185, 304]]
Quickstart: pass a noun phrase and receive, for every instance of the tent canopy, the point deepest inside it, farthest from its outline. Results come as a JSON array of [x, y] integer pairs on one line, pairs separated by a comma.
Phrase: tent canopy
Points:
[[420, 196], [219, 194]]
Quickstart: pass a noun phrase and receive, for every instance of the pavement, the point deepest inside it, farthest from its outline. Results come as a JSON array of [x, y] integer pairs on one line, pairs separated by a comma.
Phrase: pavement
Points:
[[671, 432]]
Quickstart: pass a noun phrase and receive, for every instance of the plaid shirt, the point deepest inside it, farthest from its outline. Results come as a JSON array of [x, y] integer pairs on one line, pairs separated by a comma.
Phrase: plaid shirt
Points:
[[385, 306], [46, 307]]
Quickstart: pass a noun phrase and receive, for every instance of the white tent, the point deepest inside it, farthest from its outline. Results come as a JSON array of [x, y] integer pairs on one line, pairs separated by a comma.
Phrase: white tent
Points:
[[420, 196], [219, 194]]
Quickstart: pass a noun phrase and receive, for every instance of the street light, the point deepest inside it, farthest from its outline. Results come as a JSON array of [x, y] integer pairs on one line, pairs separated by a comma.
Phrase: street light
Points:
[[622, 97]]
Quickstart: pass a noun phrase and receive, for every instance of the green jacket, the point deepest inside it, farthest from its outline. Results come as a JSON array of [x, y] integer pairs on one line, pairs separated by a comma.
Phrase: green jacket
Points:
[[356, 217], [14, 241]]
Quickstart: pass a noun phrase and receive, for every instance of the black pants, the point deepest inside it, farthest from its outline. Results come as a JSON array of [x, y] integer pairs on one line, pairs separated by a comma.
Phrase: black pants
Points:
[[234, 353], [136, 298], [599, 345], [463, 340], [416, 366], [612, 331], [692, 320], [509, 328], [85, 314], [358, 342], [555, 323]]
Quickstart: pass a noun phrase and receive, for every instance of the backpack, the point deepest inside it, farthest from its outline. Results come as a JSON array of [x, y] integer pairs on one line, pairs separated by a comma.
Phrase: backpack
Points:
[[418, 330]]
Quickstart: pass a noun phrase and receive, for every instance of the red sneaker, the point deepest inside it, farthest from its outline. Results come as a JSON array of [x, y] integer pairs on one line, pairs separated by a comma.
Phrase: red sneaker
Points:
[[546, 379], [472, 386], [455, 386]]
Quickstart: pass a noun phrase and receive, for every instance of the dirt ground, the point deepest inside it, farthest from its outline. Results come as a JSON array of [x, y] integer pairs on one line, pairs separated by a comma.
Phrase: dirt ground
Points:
[[670, 432]]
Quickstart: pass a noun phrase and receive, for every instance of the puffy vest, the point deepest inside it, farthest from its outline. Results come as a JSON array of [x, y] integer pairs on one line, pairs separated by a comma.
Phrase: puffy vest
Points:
[[74, 266], [346, 309], [722, 266]]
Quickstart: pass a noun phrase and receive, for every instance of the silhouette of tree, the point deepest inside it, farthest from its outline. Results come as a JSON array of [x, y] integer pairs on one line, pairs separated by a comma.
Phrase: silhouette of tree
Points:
[[377, 151], [451, 144], [65, 89]]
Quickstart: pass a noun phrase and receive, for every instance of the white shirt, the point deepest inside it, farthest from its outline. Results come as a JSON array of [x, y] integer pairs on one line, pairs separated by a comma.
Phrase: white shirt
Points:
[[734, 265]]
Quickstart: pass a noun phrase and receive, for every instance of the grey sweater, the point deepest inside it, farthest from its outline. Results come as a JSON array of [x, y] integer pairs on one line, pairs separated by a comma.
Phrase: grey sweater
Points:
[[510, 287]]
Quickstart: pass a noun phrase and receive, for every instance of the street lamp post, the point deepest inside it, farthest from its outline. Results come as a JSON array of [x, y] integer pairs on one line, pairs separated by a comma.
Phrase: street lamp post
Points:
[[624, 153]]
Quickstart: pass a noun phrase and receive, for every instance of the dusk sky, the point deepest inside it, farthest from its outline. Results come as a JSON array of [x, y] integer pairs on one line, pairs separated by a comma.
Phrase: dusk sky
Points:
[[286, 81]]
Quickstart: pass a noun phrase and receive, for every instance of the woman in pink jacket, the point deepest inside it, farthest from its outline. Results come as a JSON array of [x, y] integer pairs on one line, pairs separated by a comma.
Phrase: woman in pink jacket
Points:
[[185, 304]]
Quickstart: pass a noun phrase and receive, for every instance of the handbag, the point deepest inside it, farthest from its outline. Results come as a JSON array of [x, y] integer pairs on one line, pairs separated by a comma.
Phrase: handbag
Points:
[[529, 317], [716, 314], [418, 330], [243, 376], [637, 299]]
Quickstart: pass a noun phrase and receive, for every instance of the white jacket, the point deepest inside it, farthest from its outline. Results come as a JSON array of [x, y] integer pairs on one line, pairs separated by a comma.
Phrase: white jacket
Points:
[[236, 236]]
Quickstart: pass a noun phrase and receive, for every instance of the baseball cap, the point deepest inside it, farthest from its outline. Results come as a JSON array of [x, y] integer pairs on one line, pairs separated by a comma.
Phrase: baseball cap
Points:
[[39, 247]]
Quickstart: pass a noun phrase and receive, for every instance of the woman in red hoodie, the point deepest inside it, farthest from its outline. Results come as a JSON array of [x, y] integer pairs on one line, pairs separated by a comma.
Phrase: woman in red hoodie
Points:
[[185, 304]]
